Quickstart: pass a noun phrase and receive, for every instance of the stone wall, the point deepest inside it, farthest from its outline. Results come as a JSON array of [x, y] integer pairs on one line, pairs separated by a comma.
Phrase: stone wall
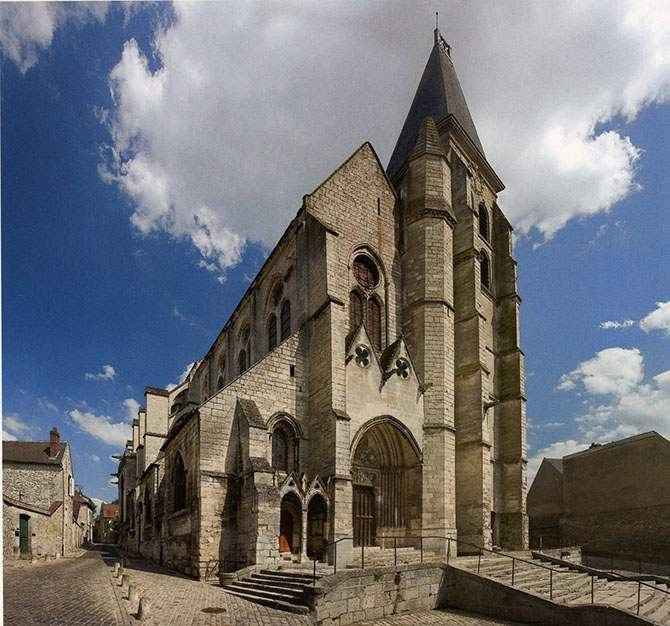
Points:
[[617, 498], [355, 595], [46, 531]]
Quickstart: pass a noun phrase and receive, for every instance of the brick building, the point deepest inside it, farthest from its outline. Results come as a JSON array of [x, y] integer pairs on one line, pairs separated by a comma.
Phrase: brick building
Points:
[[370, 381], [612, 498], [39, 498]]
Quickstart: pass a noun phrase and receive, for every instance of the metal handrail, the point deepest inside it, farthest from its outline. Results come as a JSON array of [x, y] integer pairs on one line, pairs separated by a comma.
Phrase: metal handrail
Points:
[[480, 550]]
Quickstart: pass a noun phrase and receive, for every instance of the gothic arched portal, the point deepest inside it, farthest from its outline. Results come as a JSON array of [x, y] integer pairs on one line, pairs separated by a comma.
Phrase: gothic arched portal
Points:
[[387, 482]]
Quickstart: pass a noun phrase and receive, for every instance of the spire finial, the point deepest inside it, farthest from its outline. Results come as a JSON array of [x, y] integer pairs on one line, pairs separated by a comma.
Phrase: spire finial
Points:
[[437, 20], [436, 32]]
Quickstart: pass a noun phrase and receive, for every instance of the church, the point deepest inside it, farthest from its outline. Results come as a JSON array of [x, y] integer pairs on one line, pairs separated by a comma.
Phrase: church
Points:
[[369, 386]]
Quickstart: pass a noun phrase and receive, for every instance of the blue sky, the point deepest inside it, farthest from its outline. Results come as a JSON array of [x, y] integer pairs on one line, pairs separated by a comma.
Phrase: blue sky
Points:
[[120, 124]]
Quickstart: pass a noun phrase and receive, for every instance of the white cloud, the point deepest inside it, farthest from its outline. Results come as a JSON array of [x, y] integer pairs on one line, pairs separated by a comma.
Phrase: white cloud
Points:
[[250, 109], [182, 377], [102, 427], [14, 428], [27, 28], [619, 401], [95, 458], [613, 370], [107, 373], [616, 324], [132, 406], [658, 319]]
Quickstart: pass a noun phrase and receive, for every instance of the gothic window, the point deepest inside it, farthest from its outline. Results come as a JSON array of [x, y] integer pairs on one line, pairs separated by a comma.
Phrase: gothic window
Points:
[[272, 332], [179, 484], [222, 372], [355, 311], [242, 362], [284, 448], [285, 319], [483, 222], [485, 270], [280, 450], [277, 294], [365, 272], [374, 322]]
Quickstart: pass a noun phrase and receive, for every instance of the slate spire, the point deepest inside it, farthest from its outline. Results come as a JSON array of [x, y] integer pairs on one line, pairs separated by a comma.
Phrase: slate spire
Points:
[[439, 94]]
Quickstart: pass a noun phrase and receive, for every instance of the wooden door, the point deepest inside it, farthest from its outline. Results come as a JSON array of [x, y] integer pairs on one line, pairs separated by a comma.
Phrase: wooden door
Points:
[[365, 522]]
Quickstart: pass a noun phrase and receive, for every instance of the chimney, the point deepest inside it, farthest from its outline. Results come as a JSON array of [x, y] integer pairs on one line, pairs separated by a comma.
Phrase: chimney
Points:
[[54, 442]]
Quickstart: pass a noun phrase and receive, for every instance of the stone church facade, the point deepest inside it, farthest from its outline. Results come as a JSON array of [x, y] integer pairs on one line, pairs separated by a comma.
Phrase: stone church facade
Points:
[[369, 384]]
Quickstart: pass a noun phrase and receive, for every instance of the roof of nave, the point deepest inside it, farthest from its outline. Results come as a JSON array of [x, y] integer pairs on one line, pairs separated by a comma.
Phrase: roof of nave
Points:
[[36, 452]]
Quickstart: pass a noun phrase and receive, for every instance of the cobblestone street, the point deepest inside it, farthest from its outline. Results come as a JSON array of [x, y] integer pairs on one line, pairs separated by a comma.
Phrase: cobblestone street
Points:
[[78, 591], [69, 591]]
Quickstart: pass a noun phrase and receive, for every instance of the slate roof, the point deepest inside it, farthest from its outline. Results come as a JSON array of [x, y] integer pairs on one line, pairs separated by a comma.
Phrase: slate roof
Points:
[[31, 452], [439, 94]]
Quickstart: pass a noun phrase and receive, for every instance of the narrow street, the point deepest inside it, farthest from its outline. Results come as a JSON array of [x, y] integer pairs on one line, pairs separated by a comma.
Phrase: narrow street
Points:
[[69, 591]]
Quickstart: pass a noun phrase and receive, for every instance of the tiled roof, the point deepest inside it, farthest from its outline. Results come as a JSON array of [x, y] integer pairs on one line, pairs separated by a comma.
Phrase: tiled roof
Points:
[[31, 452], [109, 511]]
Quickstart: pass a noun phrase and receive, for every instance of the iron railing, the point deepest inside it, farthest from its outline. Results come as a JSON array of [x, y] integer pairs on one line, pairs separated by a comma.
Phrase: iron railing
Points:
[[479, 551]]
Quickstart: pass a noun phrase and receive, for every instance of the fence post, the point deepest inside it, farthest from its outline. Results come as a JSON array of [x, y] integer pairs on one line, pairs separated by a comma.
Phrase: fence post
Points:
[[513, 562], [395, 552], [592, 588], [639, 586], [551, 584], [479, 560]]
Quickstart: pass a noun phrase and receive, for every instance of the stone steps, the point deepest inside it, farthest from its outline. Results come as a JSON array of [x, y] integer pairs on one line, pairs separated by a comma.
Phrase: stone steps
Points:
[[572, 587], [279, 589]]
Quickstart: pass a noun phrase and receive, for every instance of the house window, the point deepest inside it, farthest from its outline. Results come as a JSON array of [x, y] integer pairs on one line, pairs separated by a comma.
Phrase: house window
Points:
[[272, 332], [374, 322], [179, 484], [365, 272], [242, 362], [483, 222], [485, 270], [285, 319]]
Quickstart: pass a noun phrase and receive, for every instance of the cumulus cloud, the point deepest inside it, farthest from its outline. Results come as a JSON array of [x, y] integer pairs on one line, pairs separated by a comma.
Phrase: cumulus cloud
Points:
[[242, 114], [658, 319], [14, 428], [616, 324], [132, 406], [27, 28], [107, 373], [102, 427], [619, 401], [613, 370]]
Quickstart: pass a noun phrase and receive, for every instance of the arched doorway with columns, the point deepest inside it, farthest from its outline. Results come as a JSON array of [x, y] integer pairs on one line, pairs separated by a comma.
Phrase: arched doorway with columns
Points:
[[290, 525], [386, 474]]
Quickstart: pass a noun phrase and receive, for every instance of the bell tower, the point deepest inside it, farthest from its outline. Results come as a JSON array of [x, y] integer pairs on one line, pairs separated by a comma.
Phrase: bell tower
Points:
[[460, 317]]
